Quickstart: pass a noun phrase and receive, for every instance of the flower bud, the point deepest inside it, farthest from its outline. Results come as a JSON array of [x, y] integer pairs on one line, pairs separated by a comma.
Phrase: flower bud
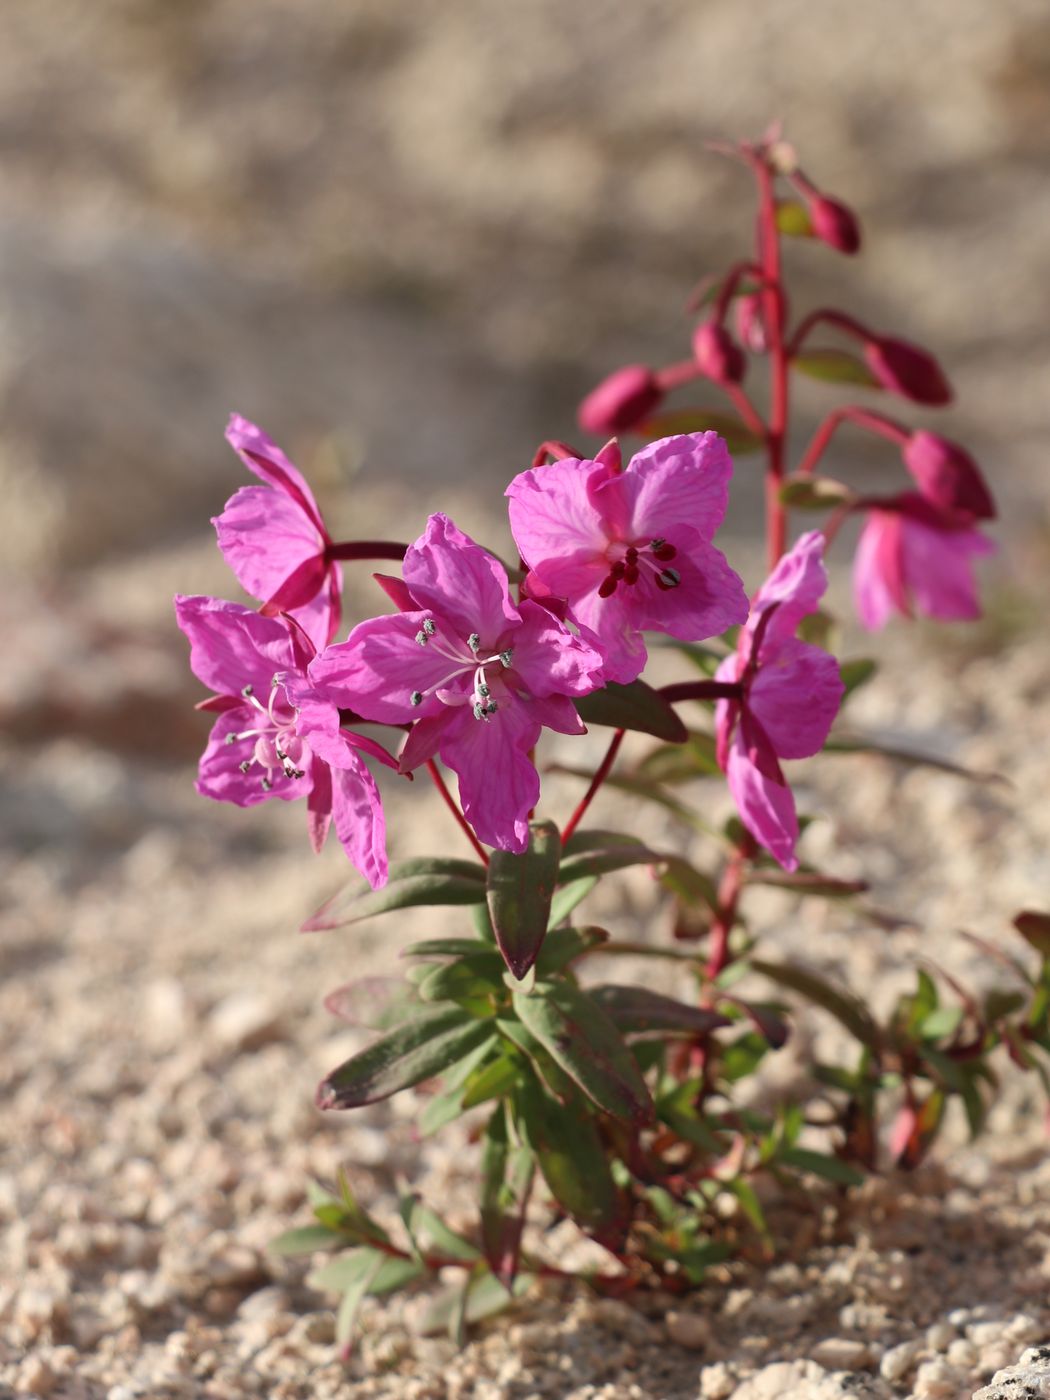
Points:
[[750, 322], [717, 353], [908, 370], [834, 224], [620, 402], [947, 475]]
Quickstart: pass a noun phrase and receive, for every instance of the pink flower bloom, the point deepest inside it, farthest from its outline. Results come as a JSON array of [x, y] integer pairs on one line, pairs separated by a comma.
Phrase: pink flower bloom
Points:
[[275, 736], [480, 677], [791, 694], [621, 402], [631, 550], [275, 540], [912, 557]]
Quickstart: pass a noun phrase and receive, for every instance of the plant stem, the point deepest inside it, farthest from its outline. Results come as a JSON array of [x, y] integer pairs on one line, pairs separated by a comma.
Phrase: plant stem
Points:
[[453, 807], [600, 776], [702, 690], [729, 889], [366, 549], [773, 306], [864, 418]]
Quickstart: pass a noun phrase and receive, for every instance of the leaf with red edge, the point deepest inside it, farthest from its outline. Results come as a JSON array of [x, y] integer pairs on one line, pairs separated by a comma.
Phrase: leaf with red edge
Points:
[[520, 890], [506, 1182]]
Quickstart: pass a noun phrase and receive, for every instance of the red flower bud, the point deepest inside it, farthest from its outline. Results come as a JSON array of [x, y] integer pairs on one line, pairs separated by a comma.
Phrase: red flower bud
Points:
[[620, 402], [717, 353], [908, 370], [834, 224], [947, 475], [750, 322]]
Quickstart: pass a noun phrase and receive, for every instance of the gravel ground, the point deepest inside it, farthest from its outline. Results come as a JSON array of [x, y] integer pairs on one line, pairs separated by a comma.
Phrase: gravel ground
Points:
[[161, 1032]]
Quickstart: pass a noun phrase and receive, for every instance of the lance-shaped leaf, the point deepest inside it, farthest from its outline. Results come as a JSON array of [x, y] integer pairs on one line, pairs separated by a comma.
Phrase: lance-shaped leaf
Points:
[[427, 1045], [579, 1036], [681, 763], [506, 1181], [573, 1162], [486, 1297], [846, 1009], [1034, 928], [807, 882], [593, 853], [374, 1003], [835, 367], [470, 979], [856, 673], [562, 945], [738, 436], [520, 888], [423, 881], [639, 1011], [636, 706], [857, 743], [568, 897]]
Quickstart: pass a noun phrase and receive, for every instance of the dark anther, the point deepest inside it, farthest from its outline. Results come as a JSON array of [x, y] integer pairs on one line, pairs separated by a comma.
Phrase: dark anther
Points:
[[416, 697], [608, 586], [248, 691], [668, 578], [663, 551]]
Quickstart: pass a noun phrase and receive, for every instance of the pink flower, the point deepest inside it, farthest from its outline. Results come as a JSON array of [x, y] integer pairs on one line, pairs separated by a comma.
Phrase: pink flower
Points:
[[275, 736], [791, 694], [631, 551], [275, 540], [912, 557], [621, 402], [479, 676]]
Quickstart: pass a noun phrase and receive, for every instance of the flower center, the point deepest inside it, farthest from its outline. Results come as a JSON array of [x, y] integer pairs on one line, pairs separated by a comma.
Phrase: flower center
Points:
[[464, 657], [629, 562], [277, 745]]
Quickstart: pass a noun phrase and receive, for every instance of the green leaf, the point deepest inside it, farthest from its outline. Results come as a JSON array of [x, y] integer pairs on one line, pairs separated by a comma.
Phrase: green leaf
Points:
[[473, 979], [681, 763], [450, 1102], [349, 1269], [306, 1239], [562, 945], [506, 1182], [424, 1224], [492, 1081], [636, 707], [792, 218], [573, 1161], [520, 889], [374, 1003], [427, 880], [487, 1298], [568, 897], [639, 1011], [353, 1275], [866, 743], [856, 673], [428, 1044], [738, 436], [942, 1021], [743, 1056], [448, 948], [808, 882], [601, 852], [830, 1168], [1034, 928], [584, 1042], [690, 885], [835, 367], [846, 1009], [814, 493]]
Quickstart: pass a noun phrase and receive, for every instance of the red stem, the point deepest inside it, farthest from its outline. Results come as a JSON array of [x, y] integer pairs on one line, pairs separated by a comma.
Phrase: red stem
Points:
[[746, 409], [863, 418], [453, 807], [702, 690], [600, 776], [773, 308], [366, 549], [729, 888], [833, 318]]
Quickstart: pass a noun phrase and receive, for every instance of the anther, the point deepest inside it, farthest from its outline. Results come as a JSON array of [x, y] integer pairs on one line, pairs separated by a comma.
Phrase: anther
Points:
[[248, 691], [474, 642], [232, 738], [245, 765], [630, 574], [663, 551], [668, 578], [479, 711], [483, 690], [421, 638], [266, 785], [506, 657], [429, 626], [607, 586], [416, 697]]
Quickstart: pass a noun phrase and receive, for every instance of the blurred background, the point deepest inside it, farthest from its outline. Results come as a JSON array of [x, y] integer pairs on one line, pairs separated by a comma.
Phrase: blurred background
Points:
[[405, 237]]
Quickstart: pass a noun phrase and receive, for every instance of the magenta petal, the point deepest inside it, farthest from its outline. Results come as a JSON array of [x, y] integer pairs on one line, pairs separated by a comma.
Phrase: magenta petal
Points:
[[938, 569], [795, 588], [498, 784], [219, 775], [231, 646], [558, 712], [359, 822], [317, 721], [265, 537], [549, 659], [424, 741], [796, 695], [449, 574], [766, 808], [380, 665], [553, 515], [611, 624], [877, 588], [261, 455], [319, 803], [682, 480], [709, 597]]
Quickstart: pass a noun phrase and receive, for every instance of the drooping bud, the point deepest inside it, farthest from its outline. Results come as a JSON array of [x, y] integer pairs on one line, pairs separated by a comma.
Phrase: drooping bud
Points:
[[717, 353], [834, 224], [620, 402], [947, 475], [750, 323], [908, 370]]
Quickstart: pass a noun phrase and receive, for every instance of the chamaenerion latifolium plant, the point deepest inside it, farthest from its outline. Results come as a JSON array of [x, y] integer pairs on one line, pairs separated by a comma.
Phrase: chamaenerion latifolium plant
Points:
[[612, 1104]]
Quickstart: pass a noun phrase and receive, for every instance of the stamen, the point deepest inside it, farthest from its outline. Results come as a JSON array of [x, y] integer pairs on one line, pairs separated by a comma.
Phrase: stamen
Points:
[[630, 574], [267, 786], [248, 691], [247, 763], [607, 586], [668, 578], [474, 642], [484, 690], [663, 551], [232, 738], [416, 697], [421, 638], [506, 657], [429, 626]]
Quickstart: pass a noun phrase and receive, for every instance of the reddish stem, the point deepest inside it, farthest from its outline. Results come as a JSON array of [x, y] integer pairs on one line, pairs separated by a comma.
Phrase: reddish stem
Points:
[[729, 888], [366, 549], [864, 418], [555, 450], [833, 318], [453, 807], [674, 376], [600, 776], [702, 690], [746, 409], [773, 309]]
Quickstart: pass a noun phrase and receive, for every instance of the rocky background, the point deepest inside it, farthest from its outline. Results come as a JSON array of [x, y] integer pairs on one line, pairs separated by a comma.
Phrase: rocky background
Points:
[[406, 236]]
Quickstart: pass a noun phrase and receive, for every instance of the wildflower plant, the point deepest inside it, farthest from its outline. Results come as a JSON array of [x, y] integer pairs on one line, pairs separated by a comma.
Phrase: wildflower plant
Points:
[[605, 1101]]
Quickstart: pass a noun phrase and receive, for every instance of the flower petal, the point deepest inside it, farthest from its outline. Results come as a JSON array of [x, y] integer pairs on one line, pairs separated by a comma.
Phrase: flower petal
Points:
[[359, 822], [708, 598], [380, 666], [795, 588], [219, 775], [231, 646], [938, 569], [261, 455], [451, 575], [498, 784], [553, 515], [766, 808], [796, 695], [549, 659], [266, 537], [878, 588], [319, 803], [681, 480]]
